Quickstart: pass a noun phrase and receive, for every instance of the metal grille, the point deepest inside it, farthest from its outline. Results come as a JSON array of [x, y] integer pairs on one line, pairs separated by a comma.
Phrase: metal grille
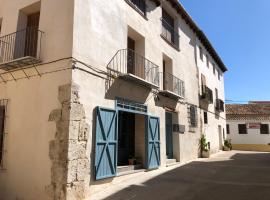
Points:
[[21, 44], [173, 84], [131, 106], [3, 131], [127, 61]]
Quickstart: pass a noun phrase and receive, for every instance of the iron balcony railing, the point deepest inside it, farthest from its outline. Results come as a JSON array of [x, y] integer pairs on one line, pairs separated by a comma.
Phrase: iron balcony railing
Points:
[[219, 105], [169, 33], [23, 43], [127, 61], [173, 84], [207, 94]]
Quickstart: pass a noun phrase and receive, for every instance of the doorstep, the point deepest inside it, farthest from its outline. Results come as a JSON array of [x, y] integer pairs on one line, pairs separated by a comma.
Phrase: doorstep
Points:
[[129, 169]]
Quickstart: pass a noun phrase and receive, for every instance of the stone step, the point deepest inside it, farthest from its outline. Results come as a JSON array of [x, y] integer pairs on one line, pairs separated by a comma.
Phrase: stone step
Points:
[[172, 164], [128, 168], [170, 161]]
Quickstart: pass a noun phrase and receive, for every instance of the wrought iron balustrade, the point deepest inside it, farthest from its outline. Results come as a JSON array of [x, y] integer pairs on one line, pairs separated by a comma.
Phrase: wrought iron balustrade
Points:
[[207, 94], [23, 46], [173, 84], [128, 62], [219, 105]]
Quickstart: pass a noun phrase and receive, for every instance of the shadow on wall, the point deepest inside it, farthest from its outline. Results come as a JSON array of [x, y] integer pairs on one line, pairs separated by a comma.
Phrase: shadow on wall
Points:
[[242, 177], [126, 90]]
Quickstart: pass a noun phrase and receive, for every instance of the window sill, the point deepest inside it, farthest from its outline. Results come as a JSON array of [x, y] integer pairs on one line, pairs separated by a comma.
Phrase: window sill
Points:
[[136, 9], [170, 43]]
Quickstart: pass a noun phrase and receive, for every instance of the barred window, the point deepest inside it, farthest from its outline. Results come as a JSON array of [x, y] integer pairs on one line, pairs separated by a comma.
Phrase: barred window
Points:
[[193, 116]]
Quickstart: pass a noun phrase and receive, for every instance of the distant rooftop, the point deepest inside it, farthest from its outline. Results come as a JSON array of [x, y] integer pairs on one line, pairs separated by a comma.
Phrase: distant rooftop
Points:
[[252, 108]]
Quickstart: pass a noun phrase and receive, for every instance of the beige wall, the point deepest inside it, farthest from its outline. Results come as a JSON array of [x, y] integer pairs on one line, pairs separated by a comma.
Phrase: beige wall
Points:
[[27, 163]]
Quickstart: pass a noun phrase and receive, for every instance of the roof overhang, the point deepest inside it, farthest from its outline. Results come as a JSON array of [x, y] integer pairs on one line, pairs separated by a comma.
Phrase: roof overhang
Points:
[[200, 34]]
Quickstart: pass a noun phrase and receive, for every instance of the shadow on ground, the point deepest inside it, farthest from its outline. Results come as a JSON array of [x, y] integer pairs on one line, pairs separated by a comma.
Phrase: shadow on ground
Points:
[[243, 176]]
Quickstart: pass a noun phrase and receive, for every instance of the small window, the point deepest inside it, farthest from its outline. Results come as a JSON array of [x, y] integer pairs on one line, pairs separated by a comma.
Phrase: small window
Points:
[[214, 69], [2, 129], [264, 128], [207, 61], [242, 129], [193, 116], [228, 128], [205, 117], [201, 53], [138, 5], [203, 83], [219, 75]]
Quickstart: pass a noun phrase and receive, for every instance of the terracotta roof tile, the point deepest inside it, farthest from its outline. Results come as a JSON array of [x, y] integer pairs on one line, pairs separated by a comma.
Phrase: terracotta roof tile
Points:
[[248, 109]]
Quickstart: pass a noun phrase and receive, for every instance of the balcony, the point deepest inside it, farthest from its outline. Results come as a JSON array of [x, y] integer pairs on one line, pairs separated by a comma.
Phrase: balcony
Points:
[[207, 95], [20, 49], [219, 105], [129, 65], [169, 34], [173, 87]]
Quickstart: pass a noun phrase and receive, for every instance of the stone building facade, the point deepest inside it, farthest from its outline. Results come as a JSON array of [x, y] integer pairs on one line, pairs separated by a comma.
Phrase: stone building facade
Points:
[[93, 89]]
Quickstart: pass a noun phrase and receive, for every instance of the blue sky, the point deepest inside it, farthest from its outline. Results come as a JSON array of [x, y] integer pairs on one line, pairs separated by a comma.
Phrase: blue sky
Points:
[[240, 32]]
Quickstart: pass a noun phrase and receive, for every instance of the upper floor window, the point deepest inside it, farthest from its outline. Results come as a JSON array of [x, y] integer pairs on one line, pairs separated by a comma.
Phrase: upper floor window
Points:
[[138, 5], [201, 53], [219, 75], [203, 83], [242, 129], [214, 69], [169, 31], [207, 61], [264, 129], [205, 117]]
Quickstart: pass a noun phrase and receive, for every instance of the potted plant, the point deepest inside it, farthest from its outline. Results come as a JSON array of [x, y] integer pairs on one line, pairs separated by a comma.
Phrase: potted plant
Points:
[[227, 145], [205, 147], [131, 160]]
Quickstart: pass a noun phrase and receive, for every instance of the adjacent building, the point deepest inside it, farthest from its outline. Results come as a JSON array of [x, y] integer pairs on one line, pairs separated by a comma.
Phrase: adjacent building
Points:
[[90, 90], [248, 125]]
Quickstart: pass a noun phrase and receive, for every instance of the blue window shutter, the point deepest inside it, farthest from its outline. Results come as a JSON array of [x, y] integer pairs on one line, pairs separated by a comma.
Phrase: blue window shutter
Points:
[[106, 143], [152, 142]]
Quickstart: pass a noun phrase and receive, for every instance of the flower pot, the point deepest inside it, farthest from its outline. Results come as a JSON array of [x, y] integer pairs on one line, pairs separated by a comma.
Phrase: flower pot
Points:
[[225, 148], [132, 161], [206, 154]]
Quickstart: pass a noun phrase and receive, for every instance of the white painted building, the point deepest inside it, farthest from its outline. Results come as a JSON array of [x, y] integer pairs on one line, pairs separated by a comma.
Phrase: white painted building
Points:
[[212, 97], [91, 88], [248, 125]]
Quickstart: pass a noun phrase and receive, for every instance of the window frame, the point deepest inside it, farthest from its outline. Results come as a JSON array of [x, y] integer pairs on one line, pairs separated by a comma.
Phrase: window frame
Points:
[[193, 116], [240, 131], [228, 129], [261, 130], [201, 53], [205, 117], [207, 61], [137, 9]]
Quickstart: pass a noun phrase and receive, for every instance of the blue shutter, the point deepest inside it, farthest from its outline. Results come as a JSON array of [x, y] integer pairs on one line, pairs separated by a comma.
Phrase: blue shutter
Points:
[[152, 142], [106, 143]]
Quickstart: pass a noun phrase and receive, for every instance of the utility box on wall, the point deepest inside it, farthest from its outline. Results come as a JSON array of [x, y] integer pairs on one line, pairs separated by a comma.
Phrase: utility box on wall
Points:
[[178, 128]]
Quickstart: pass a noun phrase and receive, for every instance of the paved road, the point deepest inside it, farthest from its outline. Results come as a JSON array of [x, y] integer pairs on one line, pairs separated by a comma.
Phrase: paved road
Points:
[[232, 175]]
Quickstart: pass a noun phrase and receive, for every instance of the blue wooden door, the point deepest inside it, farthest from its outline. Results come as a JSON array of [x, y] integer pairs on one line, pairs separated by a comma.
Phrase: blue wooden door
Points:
[[152, 142], [106, 143], [169, 136]]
